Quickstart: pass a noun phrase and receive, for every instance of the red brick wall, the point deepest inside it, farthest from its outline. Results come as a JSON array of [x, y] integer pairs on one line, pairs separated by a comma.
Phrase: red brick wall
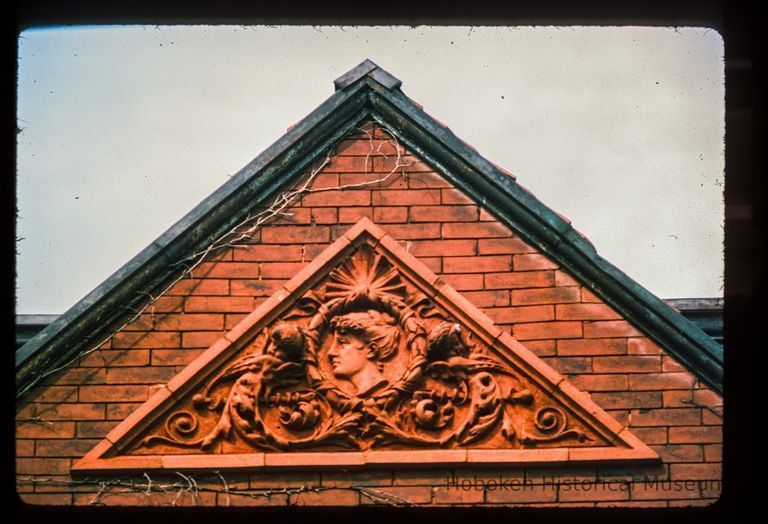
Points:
[[571, 329]]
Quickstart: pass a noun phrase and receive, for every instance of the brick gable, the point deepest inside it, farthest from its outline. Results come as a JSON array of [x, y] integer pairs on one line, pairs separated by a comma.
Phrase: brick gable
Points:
[[521, 290]]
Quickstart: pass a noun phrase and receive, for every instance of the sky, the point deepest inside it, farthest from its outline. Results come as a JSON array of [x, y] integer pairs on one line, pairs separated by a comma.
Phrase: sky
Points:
[[124, 129]]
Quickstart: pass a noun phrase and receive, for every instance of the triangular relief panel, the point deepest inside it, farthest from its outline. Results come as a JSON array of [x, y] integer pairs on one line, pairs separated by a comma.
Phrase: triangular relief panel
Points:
[[364, 358]]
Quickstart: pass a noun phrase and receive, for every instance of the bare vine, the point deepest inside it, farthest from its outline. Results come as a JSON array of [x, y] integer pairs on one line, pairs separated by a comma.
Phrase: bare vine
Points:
[[188, 486], [691, 400], [237, 236]]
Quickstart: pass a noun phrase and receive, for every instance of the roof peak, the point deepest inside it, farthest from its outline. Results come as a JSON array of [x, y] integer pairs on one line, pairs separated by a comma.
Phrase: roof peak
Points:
[[367, 68], [260, 180]]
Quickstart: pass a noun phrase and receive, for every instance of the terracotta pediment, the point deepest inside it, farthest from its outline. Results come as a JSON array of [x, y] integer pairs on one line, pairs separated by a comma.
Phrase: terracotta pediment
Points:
[[364, 358]]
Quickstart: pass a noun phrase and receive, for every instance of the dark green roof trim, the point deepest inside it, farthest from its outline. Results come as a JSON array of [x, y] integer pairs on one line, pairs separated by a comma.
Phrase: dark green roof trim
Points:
[[706, 313], [369, 69], [366, 92], [542, 227], [353, 75], [27, 326], [81, 326]]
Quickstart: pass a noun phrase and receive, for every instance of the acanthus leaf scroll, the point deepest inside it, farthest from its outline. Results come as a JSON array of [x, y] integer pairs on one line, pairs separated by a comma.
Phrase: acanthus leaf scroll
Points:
[[366, 361]]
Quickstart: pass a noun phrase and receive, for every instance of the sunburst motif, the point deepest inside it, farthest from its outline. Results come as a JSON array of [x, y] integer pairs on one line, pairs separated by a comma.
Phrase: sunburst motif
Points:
[[365, 276]]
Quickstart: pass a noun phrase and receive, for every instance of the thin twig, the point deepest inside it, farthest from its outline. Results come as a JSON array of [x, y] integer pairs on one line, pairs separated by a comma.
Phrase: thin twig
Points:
[[226, 486], [691, 400], [35, 420], [386, 498]]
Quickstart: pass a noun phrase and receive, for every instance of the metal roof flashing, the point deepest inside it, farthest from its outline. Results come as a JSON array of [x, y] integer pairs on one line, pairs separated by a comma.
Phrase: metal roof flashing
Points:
[[367, 68]]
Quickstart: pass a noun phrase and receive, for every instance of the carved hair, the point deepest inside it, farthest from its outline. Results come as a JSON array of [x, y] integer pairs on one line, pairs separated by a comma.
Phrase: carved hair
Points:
[[372, 327]]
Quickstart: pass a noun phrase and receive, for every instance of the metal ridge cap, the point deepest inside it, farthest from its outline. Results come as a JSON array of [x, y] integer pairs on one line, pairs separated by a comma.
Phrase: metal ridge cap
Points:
[[367, 68]]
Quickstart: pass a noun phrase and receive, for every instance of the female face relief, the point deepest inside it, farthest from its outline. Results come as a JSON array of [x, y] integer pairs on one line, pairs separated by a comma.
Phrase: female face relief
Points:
[[360, 340]]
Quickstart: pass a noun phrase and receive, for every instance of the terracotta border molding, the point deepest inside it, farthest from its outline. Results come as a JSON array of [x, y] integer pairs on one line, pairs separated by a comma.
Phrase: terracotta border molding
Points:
[[623, 446]]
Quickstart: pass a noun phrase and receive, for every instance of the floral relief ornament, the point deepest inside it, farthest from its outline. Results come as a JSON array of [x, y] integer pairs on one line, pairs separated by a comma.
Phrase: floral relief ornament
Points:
[[365, 362]]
